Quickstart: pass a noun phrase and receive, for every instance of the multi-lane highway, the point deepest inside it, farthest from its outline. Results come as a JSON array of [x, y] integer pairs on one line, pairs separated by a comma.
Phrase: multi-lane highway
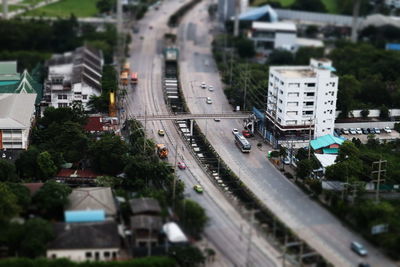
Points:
[[227, 231], [309, 220]]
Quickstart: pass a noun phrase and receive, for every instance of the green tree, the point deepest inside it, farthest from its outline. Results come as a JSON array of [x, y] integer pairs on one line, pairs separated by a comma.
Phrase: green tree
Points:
[[193, 216], [302, 153], [8, 203], [108, 155], [304, 54], [46, 165], [7, 171], [384, 113], [364, 113], [245, 48], [309, 5], [26, 163], [105, 6], [37, 233], [51, 199], [22, 194], [349, 87], [347, 151], [304, 168], [280, 57], [187, 256]]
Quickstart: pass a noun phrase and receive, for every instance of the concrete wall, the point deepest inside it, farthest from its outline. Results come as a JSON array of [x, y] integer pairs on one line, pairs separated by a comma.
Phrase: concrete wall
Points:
[[371, 124], [373, 113]]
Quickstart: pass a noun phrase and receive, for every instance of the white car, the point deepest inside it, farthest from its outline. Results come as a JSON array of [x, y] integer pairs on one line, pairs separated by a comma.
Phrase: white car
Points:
[[203, 85], [235, 131], [210, 88], [352, 131], [208, 100], [358, 130], [387, 130]]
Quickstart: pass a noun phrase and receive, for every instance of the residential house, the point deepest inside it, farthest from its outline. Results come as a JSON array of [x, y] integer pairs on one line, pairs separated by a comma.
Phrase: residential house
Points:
[[146, 230], [327, 144], [93, 241], [73, 77], [93, 198], [145, 206], [77, 177]]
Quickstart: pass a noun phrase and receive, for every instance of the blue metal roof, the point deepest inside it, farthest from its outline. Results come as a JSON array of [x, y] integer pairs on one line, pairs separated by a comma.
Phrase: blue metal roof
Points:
[[256, 13], [84, 216], [325, 141], [393, 46]]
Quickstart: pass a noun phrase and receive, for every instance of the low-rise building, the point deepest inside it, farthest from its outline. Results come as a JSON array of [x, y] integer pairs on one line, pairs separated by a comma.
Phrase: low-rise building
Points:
[[73, 77], [327, 144], [17, 113], [146, 230], [94, 241], [145, 206], [92, 198]]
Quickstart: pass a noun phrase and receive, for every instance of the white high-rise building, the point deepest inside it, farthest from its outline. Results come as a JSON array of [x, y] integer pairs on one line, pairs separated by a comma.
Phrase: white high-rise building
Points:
[[301, 100]]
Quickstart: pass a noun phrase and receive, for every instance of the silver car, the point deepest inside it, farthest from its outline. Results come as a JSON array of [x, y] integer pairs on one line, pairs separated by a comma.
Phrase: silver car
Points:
[[358, 248]]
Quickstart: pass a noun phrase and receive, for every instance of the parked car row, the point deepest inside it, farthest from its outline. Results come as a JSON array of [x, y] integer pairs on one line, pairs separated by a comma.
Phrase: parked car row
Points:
[[362, 130]]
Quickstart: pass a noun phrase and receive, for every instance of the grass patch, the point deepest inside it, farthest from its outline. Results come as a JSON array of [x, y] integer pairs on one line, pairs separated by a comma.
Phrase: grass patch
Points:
[[330, 5], [64, 8]]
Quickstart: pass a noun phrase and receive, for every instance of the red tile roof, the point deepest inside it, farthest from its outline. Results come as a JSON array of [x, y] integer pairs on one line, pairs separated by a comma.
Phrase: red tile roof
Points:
[[94, 124], [87, 173]]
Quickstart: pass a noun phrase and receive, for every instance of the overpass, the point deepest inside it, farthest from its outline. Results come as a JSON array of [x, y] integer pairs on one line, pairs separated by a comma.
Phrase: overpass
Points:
[[191, 116]]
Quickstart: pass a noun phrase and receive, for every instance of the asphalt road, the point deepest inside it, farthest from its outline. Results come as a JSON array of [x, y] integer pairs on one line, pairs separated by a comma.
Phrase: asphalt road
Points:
[[310, 221], [227, 230]]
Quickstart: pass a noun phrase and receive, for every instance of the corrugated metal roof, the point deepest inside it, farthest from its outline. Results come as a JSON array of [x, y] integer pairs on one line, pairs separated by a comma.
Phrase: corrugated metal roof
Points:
[[16, 110], [84, 216], [325, 141], [253, 14], [330, 150], [8, 71]]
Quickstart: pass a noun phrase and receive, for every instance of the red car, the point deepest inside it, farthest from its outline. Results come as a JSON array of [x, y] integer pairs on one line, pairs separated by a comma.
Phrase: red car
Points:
[[181, 165], [247, 133]]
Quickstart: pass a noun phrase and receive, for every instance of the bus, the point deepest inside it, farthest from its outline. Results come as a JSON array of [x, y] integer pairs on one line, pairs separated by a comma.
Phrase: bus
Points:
[[242, 143], [134, 78]]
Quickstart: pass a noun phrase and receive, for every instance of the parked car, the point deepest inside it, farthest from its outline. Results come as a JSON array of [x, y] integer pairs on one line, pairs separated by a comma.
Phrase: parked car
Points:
[[377, 130], [345, 131], [364, 130], [161, 132], [198, 188], [371, 130], [352, 131], [247, 133], [210, 88], [203, 85], [217, 119], [358, 248], [181, 165], [337, 131], [208, 100], [387, 129], [235, 131], [358, 131]]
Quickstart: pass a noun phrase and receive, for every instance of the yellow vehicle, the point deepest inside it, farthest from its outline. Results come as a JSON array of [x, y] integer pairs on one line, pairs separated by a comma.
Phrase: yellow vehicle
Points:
[[162, 151], [124, 78]]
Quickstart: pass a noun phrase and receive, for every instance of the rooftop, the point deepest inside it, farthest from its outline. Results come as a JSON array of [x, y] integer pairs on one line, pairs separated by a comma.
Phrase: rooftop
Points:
[[16, 110], [146, 222], [33, 187], [85, 235], [291, 72], [259, 14], [275, 26], [8, 71], [144, 205], [325, 141], [92, 198]]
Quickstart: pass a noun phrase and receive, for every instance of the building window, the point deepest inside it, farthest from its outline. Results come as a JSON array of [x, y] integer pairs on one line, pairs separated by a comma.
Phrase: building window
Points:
[[291, 94], [308, 112], [279, 110], [279, 120], [96, 256], [106, 254], [53, 256], [88, 255], [291, 122], [310, 84], [114, 255], [309, 94], [308, 103], [280, 101], [62, 105], [59, 96], [282, 83], [84, 97], [291, 113], [281, 92], [294, 85], [293, 104]]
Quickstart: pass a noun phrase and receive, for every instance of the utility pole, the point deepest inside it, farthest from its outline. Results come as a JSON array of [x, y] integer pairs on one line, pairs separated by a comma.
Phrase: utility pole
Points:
[[379, 171], [5, 9], [354, 27], [174, 182], [144, 133], [249, 238], [309, 141], [236, 22], [245, 86]]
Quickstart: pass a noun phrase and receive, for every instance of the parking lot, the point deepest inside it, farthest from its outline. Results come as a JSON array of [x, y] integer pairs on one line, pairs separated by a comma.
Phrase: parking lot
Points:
[[364, 137]]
